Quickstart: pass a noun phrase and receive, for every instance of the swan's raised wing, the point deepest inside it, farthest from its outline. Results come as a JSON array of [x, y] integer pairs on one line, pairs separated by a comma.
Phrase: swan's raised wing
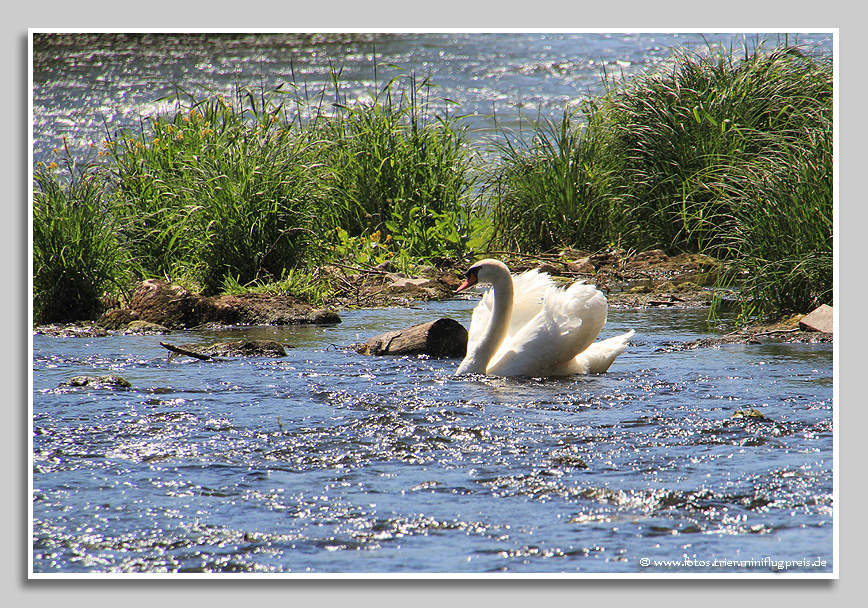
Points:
[[530, 293], [567, 323]]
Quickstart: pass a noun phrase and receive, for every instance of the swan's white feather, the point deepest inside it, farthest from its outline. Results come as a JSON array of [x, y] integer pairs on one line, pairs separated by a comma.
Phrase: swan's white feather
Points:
[[566, 322], [552, 329]]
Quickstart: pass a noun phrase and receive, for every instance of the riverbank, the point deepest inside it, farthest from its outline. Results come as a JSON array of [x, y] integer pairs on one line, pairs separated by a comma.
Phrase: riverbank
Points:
[[227, 195], [649, 279]]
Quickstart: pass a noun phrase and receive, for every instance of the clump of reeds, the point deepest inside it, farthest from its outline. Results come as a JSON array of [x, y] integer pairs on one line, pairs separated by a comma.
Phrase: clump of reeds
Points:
[[782, 236], [76, 257], [551, 190], [724, 154], [676, 137], [402, 167], [254, 190], [220, 190]]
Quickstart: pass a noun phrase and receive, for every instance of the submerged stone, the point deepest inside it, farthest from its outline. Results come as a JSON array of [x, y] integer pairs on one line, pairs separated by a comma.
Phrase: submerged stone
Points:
[[107, 381], [146, 327], [73, 330], [245, 348], [235, 348], [751, 413]]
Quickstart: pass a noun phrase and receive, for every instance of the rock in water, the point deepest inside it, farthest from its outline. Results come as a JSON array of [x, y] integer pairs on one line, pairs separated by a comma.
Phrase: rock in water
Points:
[[820, 319], [107, 381], [237, 348], [443, 338], [246, 348]]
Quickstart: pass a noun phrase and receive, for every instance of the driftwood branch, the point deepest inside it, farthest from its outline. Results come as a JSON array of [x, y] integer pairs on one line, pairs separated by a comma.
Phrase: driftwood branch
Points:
[[185, 352], [357, 269], [776, 331], [555, 258]]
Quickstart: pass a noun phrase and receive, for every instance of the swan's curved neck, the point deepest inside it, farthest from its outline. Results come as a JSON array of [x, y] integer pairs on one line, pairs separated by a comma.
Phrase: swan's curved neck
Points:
[[498, 326]]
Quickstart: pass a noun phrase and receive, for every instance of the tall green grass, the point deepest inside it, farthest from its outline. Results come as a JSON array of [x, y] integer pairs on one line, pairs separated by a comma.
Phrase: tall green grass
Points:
[[782, 238], [221, 191], [722, 153], [257, 189], [403, 166], [732, 156], [551, 190], [76, 256], [676, 136]]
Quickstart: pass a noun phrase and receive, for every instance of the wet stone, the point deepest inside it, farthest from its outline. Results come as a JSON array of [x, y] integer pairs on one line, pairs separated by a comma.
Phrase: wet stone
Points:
[[234, 348], [83, 329], [146, 327], [107, 381]]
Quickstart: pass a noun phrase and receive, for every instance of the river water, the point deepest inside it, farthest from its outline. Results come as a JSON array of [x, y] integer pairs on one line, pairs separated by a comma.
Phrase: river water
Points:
[[326, 461], [87, 85]]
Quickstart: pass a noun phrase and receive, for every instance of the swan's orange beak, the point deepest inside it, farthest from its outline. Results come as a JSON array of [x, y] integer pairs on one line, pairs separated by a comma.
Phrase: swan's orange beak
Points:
[[470, 280]]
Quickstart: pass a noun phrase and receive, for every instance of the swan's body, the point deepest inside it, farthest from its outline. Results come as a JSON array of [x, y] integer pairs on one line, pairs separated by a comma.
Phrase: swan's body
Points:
[[526, 325]]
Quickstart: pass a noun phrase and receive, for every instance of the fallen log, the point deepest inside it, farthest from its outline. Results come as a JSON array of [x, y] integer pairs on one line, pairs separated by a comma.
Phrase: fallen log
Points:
[[442, 338]]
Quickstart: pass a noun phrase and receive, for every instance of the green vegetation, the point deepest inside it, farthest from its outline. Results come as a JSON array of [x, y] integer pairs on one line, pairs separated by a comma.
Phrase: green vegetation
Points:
[[551, 191], [218, 192], [222, 193], [724, 155], [76, 257], [403, 168], [734, 158]]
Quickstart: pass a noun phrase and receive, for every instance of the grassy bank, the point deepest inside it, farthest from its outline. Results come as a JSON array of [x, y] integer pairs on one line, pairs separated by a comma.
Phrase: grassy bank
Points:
[[724, 154]]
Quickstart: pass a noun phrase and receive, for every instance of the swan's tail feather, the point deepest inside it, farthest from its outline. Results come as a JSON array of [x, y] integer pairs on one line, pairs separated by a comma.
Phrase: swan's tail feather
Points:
[[597, 358]]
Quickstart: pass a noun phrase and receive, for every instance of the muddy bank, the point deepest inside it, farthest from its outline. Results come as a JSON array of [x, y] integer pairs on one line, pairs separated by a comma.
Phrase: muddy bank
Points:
[[646, 279], [630, 281], [383, 286], [757, 334], [163, 304], [156, 306]]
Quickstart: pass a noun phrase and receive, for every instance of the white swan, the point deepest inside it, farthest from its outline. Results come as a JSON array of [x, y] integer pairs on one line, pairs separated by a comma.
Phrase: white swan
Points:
[[526, 325]]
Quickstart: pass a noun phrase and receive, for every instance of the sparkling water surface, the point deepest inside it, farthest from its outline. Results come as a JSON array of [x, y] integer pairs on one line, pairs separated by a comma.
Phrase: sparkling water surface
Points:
[[327, 461], [86, 87]]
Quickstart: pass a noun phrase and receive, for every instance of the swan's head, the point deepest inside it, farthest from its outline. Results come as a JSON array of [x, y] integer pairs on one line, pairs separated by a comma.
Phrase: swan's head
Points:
[[485, 271]]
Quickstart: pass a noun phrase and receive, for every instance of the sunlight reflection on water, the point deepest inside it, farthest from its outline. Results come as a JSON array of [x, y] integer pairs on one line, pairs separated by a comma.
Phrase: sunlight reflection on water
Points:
[[329, 461]]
